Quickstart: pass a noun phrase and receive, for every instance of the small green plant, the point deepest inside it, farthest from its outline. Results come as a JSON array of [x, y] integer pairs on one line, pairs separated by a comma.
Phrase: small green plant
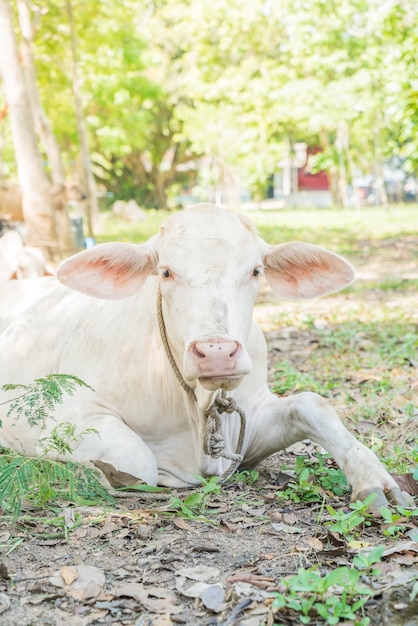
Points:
[[345, 523], [312, 478], [394, 521], [247, 477], [43, 480], [62, 439], [335, 597], [195, 504], [303, 488]]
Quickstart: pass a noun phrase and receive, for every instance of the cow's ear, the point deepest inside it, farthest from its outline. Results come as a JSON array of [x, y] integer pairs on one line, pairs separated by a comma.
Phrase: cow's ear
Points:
[[299, 270], [109, 270]]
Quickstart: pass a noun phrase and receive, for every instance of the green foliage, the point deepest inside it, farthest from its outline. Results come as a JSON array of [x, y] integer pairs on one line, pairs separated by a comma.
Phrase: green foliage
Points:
[[63, 439], [246, 476], [312, 478], [38, 400], [335, 597], [195, 504], [345, 523], [166, 83], [395, 520], [289, 378], [43, 480]]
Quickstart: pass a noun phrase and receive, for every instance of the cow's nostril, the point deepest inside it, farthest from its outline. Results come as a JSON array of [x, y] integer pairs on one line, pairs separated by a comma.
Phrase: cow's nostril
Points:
[[198, 353]]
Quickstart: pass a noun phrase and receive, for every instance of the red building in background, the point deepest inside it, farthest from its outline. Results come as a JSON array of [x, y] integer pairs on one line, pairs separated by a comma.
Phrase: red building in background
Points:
[[308, 181]]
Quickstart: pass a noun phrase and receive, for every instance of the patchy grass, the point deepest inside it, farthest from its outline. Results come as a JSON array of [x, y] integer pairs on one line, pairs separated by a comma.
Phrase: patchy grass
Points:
[[344, 231]]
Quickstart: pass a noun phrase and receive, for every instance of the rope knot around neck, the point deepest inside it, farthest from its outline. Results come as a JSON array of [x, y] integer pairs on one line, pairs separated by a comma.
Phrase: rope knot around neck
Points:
[[213, 441]]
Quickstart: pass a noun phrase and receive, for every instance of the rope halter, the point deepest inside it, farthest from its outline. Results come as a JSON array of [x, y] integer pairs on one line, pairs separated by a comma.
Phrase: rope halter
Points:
[[213, 441]]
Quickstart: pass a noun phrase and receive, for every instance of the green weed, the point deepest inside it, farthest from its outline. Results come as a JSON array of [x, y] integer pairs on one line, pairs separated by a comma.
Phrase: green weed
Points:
[[195, 504], [395, 520], [344, 523], [41, 481], [288, 378], [312, 479], [44, 480], [246, 476], [335, 597]]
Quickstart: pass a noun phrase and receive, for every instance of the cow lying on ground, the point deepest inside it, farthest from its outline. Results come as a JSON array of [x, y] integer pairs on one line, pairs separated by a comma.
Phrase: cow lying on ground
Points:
[[18, 260], [163, 333]]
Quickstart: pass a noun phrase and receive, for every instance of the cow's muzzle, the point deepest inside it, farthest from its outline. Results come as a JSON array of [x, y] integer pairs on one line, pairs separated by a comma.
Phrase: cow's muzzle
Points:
[[218, 363]]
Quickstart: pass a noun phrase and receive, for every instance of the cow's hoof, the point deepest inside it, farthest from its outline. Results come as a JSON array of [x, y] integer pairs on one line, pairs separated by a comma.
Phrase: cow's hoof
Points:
[[383, 498]]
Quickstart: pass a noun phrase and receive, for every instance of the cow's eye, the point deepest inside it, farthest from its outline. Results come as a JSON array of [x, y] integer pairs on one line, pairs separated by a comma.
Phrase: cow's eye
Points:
[[166, 273]]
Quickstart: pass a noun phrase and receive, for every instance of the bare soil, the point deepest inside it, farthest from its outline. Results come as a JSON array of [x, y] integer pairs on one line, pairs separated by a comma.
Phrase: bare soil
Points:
[[138, 562]]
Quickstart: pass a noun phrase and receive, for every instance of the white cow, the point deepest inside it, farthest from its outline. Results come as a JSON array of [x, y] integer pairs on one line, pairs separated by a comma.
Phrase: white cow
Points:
[[20, 261], [150, 401]]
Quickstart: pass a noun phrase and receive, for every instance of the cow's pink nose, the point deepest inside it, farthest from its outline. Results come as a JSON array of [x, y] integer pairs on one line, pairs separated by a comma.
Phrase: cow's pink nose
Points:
[[215, 356]]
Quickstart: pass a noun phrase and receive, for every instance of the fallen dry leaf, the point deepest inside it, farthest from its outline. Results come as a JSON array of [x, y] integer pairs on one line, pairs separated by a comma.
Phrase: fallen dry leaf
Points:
[[315, 543], [402, 546], [132, 590], [68, 574], [162, 606], [200, 572], [290, 518], [213, 597], [182, 524], [88, 583], [115, 477], [407, 483], [165, 602], [257, 580], [193, 591]]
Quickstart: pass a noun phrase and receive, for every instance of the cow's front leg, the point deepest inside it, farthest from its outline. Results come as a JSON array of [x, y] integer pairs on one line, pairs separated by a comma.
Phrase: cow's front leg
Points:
[[283, 421], [120, 454]]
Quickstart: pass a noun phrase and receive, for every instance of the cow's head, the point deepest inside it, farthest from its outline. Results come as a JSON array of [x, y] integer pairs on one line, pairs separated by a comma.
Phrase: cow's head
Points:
[[208, 262]]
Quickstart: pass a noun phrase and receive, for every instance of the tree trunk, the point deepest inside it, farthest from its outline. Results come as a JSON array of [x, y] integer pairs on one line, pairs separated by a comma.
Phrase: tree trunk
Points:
[[34, 184], [88, 182], [382, 197], [343, 151], [42, 124]]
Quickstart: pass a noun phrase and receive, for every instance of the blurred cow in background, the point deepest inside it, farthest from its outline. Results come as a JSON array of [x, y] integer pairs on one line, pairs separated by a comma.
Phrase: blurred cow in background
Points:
[[16, 259]]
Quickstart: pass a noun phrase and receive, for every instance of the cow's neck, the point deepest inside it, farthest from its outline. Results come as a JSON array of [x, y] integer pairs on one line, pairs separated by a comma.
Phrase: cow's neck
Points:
[[213, 404], [167, 348]]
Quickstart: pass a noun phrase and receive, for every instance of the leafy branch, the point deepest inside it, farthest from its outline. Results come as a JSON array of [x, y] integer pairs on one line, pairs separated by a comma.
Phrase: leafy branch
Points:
[[41, 480], [38, 400]]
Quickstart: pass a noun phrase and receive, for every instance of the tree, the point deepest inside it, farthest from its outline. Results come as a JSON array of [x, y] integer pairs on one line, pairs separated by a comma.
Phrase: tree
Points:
[[42, 124], [164, 83], [34, 184]]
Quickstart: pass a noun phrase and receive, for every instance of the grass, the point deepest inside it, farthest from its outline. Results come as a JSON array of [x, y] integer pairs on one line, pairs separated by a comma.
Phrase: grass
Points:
[[341, 230]]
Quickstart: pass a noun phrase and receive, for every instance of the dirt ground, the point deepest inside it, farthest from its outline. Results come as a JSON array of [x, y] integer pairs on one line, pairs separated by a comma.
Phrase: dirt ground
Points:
[[141, 563]]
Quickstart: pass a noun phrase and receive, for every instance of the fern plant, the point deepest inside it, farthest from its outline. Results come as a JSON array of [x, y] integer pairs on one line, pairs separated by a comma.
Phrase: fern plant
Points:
[[42, 480]]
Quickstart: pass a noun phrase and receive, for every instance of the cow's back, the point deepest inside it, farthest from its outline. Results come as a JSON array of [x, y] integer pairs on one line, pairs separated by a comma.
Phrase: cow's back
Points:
[[46, 328]]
